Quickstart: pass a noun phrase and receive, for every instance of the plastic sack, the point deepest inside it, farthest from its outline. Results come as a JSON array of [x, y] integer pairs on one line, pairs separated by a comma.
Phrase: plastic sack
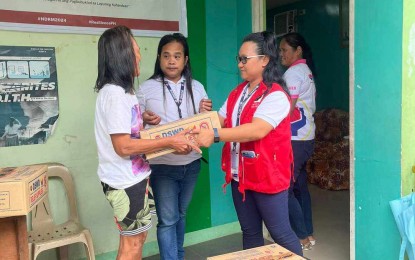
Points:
[[403, 210]]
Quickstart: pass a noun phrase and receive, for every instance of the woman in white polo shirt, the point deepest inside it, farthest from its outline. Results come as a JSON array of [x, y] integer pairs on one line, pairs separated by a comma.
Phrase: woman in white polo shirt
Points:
[[171, 94], [296, 56]]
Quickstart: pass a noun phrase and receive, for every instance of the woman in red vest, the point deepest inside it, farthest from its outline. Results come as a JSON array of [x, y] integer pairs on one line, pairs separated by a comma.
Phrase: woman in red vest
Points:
[[257, 155]]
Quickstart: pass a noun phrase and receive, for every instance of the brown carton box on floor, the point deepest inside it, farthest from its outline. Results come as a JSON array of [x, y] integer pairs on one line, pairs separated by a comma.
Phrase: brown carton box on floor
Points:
[[207, 120], [269, 252], [21, 188]]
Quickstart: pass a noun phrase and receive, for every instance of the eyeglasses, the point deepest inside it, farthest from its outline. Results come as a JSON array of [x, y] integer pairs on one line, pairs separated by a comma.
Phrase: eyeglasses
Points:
[[244, 59]]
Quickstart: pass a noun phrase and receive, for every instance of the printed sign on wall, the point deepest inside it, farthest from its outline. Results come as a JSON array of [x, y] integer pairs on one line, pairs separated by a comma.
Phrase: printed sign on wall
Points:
[[143, 17], [29, 105]]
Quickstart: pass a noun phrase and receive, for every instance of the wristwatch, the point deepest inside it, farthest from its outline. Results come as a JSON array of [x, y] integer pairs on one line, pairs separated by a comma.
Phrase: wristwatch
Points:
[[215, 135]]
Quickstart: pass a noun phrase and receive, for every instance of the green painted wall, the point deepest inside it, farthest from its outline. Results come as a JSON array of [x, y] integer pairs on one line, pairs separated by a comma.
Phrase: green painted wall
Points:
[[210, 42], [226, 24], [408, 97], [320, 26], [378, 119], [199, 211]]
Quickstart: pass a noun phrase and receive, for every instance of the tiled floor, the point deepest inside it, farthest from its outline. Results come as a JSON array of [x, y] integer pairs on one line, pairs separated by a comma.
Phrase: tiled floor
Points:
[[331, 225]]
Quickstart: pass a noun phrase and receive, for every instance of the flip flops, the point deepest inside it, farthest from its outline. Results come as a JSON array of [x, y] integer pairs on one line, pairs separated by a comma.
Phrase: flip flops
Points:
[[306, 246], [312, 241]]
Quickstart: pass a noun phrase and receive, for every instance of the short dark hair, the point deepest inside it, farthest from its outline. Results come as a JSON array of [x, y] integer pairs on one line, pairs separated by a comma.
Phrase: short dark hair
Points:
[[295, 40], [187, 70], [116, 59], [267, 45]]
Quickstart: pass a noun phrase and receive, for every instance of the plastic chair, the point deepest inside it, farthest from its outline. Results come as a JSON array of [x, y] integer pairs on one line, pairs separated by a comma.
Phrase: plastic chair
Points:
[[46, 235]]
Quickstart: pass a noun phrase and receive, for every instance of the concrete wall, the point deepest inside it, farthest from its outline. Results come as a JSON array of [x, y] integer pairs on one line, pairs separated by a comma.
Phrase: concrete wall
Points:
[[226, 24], [378, 121], [408, 97]]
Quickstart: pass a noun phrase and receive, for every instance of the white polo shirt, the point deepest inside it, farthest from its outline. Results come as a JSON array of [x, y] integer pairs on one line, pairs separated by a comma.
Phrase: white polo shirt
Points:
[[300, 82], [150, 96]]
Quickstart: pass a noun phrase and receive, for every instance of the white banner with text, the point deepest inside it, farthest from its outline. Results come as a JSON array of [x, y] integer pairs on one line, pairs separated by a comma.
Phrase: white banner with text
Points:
[[153, 18]]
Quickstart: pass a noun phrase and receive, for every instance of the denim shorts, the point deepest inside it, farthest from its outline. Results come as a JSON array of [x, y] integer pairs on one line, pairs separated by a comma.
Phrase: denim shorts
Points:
[[132, 207]]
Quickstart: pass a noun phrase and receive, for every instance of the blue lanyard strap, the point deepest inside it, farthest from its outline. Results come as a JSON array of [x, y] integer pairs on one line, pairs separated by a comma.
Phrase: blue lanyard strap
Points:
[[178, 102]]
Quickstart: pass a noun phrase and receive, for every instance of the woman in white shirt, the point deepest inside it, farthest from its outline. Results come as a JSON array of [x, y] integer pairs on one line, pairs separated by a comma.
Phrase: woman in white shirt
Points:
[[122, 168], [296, 56]]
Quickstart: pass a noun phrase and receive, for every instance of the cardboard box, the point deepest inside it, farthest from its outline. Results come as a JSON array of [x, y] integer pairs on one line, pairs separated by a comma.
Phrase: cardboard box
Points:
[[21, 188], [207, 120], [269, 252]]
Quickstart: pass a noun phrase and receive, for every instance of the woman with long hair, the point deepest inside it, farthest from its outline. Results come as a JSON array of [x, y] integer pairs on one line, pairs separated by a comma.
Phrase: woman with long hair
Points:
[[169, 95], [122, 169]]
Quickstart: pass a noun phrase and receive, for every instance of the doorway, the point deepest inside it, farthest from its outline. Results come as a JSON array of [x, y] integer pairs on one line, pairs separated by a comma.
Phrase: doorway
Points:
[[325, 26]]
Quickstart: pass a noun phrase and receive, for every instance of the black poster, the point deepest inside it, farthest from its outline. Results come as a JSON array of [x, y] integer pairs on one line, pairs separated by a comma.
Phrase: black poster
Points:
[[29, 106]]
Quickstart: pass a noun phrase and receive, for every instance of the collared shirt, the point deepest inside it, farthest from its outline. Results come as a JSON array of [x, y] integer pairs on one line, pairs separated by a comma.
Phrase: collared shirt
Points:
[[300, 83]]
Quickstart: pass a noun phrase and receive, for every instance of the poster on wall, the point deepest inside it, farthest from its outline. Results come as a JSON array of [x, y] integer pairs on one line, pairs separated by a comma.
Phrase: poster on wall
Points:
[[29, 106], [145, 18]]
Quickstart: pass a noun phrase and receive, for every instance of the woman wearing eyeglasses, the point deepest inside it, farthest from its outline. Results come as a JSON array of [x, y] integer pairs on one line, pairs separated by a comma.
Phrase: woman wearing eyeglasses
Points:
[[257, 155]]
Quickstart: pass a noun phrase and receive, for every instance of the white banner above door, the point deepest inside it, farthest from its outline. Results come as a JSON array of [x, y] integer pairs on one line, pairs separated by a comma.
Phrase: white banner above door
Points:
[[144, 17]]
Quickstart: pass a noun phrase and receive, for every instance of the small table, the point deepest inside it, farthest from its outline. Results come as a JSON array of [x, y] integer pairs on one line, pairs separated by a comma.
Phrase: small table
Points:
[[21, 189], [13, 237]]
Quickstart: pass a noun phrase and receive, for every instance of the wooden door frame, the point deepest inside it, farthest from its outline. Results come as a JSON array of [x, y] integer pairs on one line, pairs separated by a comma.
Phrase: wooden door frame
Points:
[[351, 129]]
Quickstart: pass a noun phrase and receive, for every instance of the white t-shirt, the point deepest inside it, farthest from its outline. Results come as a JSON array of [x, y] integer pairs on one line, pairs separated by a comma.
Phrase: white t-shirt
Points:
[[273, 109], [150, 96], [300, 83], [117, 112]]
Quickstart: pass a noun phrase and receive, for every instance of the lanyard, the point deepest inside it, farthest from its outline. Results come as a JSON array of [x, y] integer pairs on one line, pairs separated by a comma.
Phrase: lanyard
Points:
[[241, 104], [178, 102]]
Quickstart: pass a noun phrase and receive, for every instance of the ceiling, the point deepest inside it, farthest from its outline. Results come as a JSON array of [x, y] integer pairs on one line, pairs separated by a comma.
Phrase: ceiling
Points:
[[271, 4]]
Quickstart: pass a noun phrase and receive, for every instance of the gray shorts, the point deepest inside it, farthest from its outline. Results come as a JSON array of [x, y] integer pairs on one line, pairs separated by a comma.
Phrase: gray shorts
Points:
[[132, 207]]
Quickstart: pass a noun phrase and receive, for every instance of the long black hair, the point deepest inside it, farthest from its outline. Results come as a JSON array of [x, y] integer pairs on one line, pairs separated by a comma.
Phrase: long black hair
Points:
[[266, 43], [295, 40], [187, 71], [116, 59]]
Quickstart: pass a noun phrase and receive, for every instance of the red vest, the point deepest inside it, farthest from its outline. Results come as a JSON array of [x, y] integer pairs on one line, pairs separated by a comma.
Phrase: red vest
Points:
[[271, 170]]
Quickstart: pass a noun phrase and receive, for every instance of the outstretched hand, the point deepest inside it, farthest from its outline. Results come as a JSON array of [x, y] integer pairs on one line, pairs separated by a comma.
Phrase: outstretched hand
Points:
[[184, 143], [204, 137], [151, 118]]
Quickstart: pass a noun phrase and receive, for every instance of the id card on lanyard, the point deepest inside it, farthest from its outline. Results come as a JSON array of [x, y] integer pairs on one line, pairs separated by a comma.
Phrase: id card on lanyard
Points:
[[177, 101], [235, 161], [235, 145]]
